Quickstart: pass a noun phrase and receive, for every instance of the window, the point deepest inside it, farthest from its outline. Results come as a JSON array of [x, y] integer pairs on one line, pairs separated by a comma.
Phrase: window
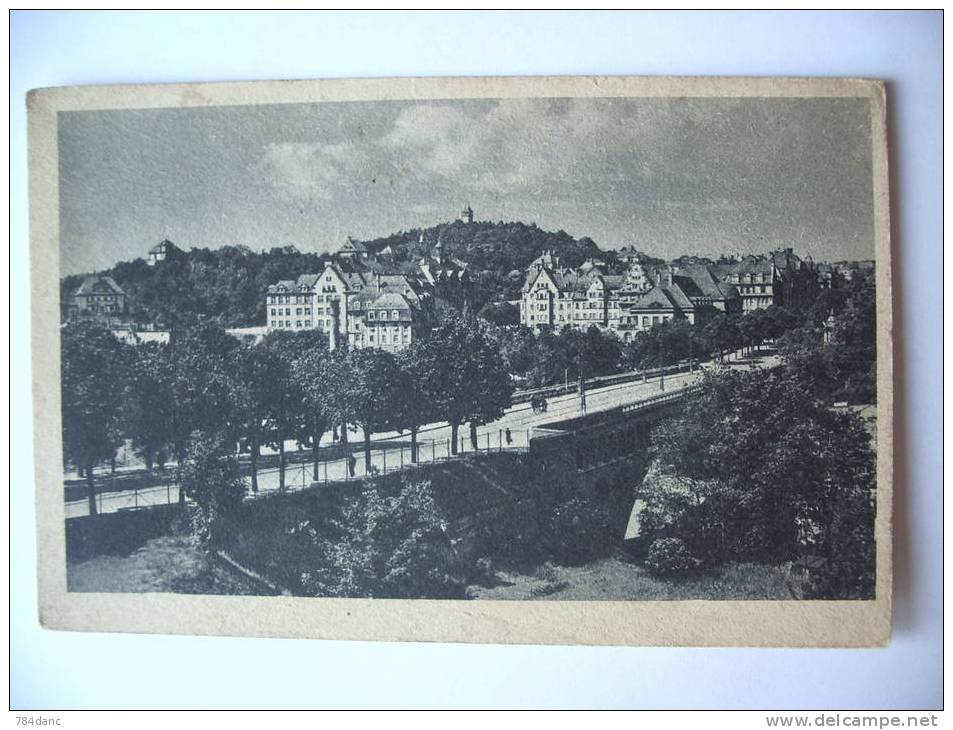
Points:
[[395, 315], [272, 311], [370, 314], [298, 311], [307, 310], [384, 338], [298, 323]]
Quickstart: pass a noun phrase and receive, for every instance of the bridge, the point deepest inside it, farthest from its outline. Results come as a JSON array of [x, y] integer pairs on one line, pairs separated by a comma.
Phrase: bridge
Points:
[[589, 442]]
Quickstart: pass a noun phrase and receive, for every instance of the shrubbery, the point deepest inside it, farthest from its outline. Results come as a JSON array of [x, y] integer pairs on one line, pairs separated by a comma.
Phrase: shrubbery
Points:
[[381, 546], [755, 471], [587, 526], [210, 476], [669, 558]]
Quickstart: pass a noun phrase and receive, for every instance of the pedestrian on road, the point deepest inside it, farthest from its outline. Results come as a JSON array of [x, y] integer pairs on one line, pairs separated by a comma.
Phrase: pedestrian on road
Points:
[[509, 436], [351, 463]]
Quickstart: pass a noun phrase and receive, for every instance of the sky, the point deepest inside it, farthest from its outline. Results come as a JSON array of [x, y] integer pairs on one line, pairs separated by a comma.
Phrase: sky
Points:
[[669, 176]]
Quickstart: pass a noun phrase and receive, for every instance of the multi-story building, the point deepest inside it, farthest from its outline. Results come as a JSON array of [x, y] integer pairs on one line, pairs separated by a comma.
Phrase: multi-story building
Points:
[[362, 301], [625, 303], [778, 278], [99, 298]]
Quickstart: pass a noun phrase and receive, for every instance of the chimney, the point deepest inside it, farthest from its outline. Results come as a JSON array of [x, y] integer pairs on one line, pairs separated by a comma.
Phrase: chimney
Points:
[[380, 286]]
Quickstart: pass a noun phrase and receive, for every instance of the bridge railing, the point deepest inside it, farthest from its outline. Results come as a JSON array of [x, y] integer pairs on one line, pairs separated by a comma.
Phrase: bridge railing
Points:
[[601, 381], [549, 432], [661, 398]]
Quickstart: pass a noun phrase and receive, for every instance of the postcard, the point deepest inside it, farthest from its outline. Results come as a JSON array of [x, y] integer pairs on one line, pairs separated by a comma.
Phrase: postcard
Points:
[[556, 360]]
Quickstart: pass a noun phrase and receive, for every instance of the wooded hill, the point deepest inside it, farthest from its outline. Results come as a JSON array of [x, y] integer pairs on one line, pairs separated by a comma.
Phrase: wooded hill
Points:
[[228, 284]]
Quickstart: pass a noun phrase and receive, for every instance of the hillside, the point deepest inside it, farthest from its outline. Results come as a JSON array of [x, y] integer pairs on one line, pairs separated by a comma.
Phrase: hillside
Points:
[[227, 284], [497, 254]]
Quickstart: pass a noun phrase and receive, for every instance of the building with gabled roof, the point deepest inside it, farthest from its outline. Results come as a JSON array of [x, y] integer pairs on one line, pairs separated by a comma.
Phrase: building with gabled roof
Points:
[[97, 297], [362, 301], [634, 300], [778, 278], [352, 249], [162, 251]]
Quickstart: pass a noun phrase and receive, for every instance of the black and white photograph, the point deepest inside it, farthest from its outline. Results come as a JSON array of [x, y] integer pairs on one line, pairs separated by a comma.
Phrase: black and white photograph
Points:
[[491, 348]]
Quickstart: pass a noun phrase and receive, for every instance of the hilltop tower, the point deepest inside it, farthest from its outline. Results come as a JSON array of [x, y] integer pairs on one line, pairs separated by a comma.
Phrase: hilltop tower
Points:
[[467, 214]]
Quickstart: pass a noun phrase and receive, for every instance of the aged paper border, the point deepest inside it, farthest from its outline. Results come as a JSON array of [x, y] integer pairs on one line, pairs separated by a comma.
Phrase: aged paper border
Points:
[[647, 623]]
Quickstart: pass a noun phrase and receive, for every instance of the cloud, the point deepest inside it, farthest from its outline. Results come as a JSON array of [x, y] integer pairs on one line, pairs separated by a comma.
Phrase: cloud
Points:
[[685, 168], [311, 171], [515, 146], [438, 139]]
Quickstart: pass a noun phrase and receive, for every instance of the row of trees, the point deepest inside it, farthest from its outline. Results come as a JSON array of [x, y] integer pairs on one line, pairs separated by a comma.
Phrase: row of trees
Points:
[[761, 468], [550, 356], [288, 386]]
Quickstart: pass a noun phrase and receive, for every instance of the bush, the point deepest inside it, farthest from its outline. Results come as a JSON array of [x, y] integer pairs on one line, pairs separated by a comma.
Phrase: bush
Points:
[[383, 546], [668, 557], [581, 529], [210, 476]]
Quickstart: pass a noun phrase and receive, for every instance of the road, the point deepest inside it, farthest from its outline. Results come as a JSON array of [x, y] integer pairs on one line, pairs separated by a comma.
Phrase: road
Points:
[[391, 451]]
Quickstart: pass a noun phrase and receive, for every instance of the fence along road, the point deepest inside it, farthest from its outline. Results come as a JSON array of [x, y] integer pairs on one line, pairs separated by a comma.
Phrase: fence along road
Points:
[[391, 451]]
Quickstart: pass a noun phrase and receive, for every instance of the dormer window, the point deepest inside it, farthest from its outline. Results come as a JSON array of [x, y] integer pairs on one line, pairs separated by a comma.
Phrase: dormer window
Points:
[[395, 315], [370, 314]]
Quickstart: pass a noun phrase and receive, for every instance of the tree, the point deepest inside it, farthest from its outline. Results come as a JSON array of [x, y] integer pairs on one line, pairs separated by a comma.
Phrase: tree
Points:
[[393, 545], [776, 321], [723, 334], [845, 367], [210, 476], [465, 376], [519, 348], [810, 362], [317, 374], [286, 409], [149, 408], [255, 367], [415, 406], [765, 471], [501, 313], [491, 388], [369, 392], [664, 344], [94, 370], [751, 329], [202, 385]]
